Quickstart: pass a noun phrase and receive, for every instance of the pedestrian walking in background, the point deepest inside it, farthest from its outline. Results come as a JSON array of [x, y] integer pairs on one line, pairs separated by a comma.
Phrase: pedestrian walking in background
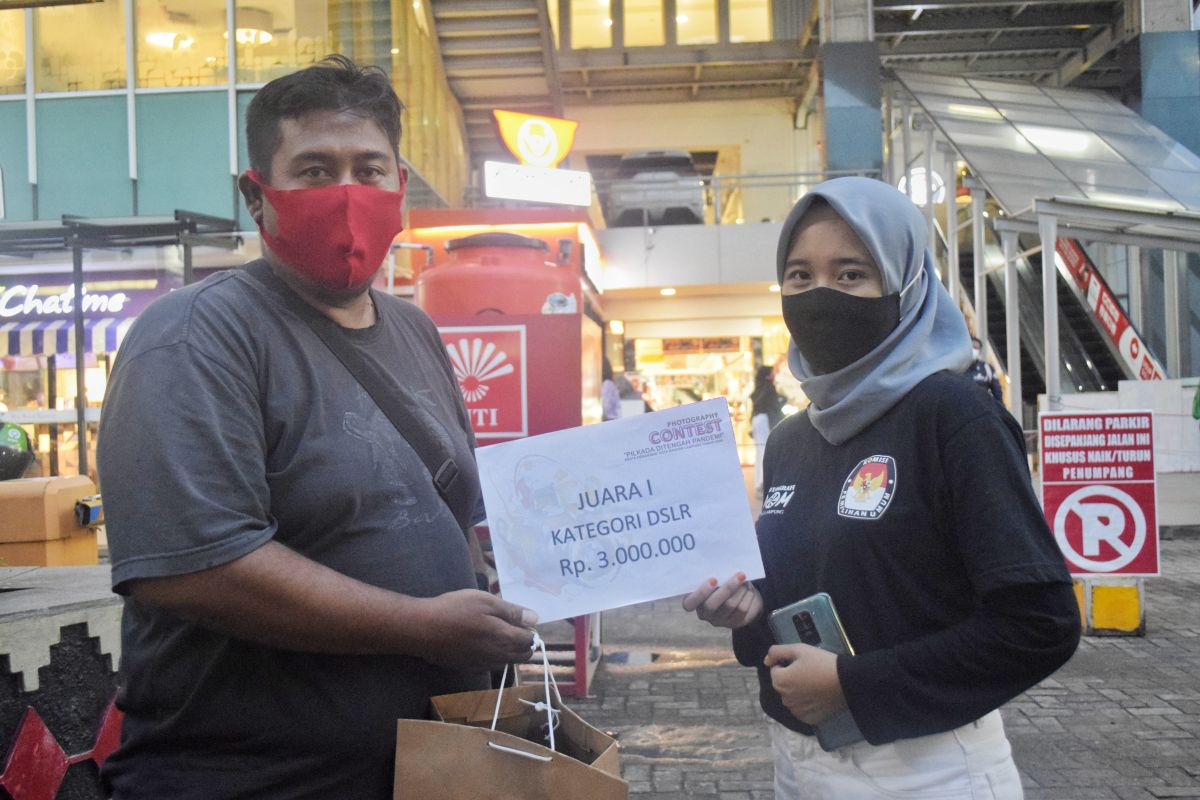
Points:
[[903, 493], [610, 396], [984, 373], [766, 411]]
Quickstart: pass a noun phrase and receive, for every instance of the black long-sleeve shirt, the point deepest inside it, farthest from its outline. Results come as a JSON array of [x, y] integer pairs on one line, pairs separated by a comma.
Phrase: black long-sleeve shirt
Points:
[[925, 531]]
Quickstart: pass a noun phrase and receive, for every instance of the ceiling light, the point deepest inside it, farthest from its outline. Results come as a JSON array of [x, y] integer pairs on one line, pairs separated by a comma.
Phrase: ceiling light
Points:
[[607, 23], [395, 51], [254, 26], [774, 287], [920, 186], [170, 40], [667, 291], [682, 19], [252, 36], [616, 327], [1056, 140], [968, 110]]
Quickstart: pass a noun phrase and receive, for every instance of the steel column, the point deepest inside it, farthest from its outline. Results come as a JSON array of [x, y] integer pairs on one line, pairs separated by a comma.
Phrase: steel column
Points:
[[906, 145], [1174, 292], [888, 149], [1133, 271], [952, 271], [979, 298], [1048, 231], [80, 367], [929, 223], [1012, 323]]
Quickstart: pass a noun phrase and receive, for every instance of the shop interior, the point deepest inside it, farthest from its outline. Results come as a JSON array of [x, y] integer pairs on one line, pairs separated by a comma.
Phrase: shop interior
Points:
[[671, 370]]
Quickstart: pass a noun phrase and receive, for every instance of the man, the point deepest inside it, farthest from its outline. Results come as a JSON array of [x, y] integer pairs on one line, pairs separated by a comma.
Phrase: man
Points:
[[294, 582], [983, 373]]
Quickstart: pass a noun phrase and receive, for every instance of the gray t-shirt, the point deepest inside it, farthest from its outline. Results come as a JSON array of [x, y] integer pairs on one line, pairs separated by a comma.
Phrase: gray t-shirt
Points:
[[227, 424]]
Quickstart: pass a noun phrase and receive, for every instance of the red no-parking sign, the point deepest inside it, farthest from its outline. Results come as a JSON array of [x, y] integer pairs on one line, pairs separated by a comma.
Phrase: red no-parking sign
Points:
[[1098, 490]]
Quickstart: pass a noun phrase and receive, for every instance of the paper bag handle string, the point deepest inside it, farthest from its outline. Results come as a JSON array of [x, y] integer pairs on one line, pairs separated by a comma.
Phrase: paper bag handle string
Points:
[[551, 712]]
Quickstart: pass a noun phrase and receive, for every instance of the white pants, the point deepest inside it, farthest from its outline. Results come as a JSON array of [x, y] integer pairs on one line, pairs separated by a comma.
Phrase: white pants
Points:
[[973, 762], [759, 429]]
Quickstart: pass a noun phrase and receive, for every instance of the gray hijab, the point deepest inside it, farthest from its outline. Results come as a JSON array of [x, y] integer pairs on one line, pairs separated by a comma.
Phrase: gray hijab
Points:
[[931, 336]]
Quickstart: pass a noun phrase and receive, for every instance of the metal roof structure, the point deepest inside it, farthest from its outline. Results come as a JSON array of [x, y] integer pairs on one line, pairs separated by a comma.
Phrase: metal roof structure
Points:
[[1026, 142], [502, 53]]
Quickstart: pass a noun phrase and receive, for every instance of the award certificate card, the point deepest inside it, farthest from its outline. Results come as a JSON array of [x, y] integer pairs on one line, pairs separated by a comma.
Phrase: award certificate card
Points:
[[627, 511]]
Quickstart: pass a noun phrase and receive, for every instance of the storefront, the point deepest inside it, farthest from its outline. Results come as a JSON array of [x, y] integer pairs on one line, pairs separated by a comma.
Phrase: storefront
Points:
[[677, 350], [115, 268], [38, 385]]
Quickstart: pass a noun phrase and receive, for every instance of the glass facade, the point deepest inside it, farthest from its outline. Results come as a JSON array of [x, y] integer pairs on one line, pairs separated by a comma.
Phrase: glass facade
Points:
[[591, 24], [749, 20], [180, 68], [12, 52], [290, 35], [433, 139], [696, 21], [644, 23], [181, 44], [80, 48]]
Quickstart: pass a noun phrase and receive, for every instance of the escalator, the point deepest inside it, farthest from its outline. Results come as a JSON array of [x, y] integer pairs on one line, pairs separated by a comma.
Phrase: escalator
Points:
[[1089, 363], [1100, 172]]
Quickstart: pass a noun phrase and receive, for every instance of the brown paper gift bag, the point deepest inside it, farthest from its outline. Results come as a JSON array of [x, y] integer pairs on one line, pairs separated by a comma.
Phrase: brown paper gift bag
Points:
[[462, 758]]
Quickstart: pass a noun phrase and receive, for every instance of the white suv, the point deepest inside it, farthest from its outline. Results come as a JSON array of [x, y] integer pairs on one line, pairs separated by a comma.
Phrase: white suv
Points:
[[656, 187]]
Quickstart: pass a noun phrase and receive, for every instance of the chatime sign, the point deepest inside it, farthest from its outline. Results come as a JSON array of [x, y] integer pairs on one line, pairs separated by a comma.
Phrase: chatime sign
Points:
[[28, 300]]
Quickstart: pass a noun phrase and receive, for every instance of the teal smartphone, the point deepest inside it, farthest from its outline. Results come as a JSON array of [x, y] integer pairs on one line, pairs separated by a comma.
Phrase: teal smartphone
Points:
[[814, 621]]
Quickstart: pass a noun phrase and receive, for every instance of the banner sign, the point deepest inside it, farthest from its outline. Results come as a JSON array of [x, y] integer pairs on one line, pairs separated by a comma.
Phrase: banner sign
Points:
[[1099, 491], [1108, 312], [622, 512], [489, 363], [696, 346]]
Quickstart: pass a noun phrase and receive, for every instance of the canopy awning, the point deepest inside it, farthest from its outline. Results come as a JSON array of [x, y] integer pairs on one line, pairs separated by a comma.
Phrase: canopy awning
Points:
[[51, 337]]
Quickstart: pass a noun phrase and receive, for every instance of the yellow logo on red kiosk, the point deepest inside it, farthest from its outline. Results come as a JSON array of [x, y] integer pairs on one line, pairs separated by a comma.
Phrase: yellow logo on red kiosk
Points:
[[869, 488], [536, 141]]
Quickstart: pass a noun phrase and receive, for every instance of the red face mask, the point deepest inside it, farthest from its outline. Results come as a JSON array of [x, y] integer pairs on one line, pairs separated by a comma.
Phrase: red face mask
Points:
[[336, 236]]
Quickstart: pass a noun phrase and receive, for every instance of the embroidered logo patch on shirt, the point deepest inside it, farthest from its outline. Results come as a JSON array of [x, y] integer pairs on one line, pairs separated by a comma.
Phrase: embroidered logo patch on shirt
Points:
[[777, 498], [869, 488]]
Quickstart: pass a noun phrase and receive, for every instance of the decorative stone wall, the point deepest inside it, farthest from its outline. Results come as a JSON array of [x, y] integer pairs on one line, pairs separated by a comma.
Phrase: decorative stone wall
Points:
[[59, 647]]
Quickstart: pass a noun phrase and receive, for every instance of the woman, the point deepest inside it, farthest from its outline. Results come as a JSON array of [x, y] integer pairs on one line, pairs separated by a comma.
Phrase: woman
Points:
[[766, 411], [610, 396], [902, 492]]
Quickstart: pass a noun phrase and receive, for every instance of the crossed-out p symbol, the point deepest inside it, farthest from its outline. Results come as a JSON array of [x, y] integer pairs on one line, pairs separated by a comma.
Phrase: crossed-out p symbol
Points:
[[1101, 522]]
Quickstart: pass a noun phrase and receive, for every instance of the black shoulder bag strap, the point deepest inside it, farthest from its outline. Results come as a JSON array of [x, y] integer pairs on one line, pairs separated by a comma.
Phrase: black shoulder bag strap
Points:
[[396, 403]]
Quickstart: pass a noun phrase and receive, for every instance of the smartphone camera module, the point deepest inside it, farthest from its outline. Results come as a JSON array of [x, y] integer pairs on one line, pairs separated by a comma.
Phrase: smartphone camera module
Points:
[[806, 628]]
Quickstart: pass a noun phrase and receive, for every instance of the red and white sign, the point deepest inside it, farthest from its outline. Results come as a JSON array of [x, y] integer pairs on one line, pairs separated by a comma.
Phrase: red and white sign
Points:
[[1108, 312], [1098, 490], [489, 363]]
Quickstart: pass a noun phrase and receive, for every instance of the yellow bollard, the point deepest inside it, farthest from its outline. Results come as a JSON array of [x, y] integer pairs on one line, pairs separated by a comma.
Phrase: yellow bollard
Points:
[[1112, 606]]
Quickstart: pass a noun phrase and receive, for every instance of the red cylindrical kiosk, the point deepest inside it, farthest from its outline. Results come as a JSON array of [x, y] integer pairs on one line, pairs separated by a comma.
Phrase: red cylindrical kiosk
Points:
[[499, 273], [512, 310]]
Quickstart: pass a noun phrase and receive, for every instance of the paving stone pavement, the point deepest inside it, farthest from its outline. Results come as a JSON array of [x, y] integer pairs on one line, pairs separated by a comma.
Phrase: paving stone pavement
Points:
[[1121, 721]]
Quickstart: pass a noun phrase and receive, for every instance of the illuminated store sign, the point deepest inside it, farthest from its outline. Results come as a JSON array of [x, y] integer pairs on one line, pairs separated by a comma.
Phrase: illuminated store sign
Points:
[[536, 141], [537, 184], [21, 300]]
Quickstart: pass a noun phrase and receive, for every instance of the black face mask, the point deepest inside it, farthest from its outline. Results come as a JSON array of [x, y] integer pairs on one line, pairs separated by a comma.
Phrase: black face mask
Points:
[[833, 329]]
